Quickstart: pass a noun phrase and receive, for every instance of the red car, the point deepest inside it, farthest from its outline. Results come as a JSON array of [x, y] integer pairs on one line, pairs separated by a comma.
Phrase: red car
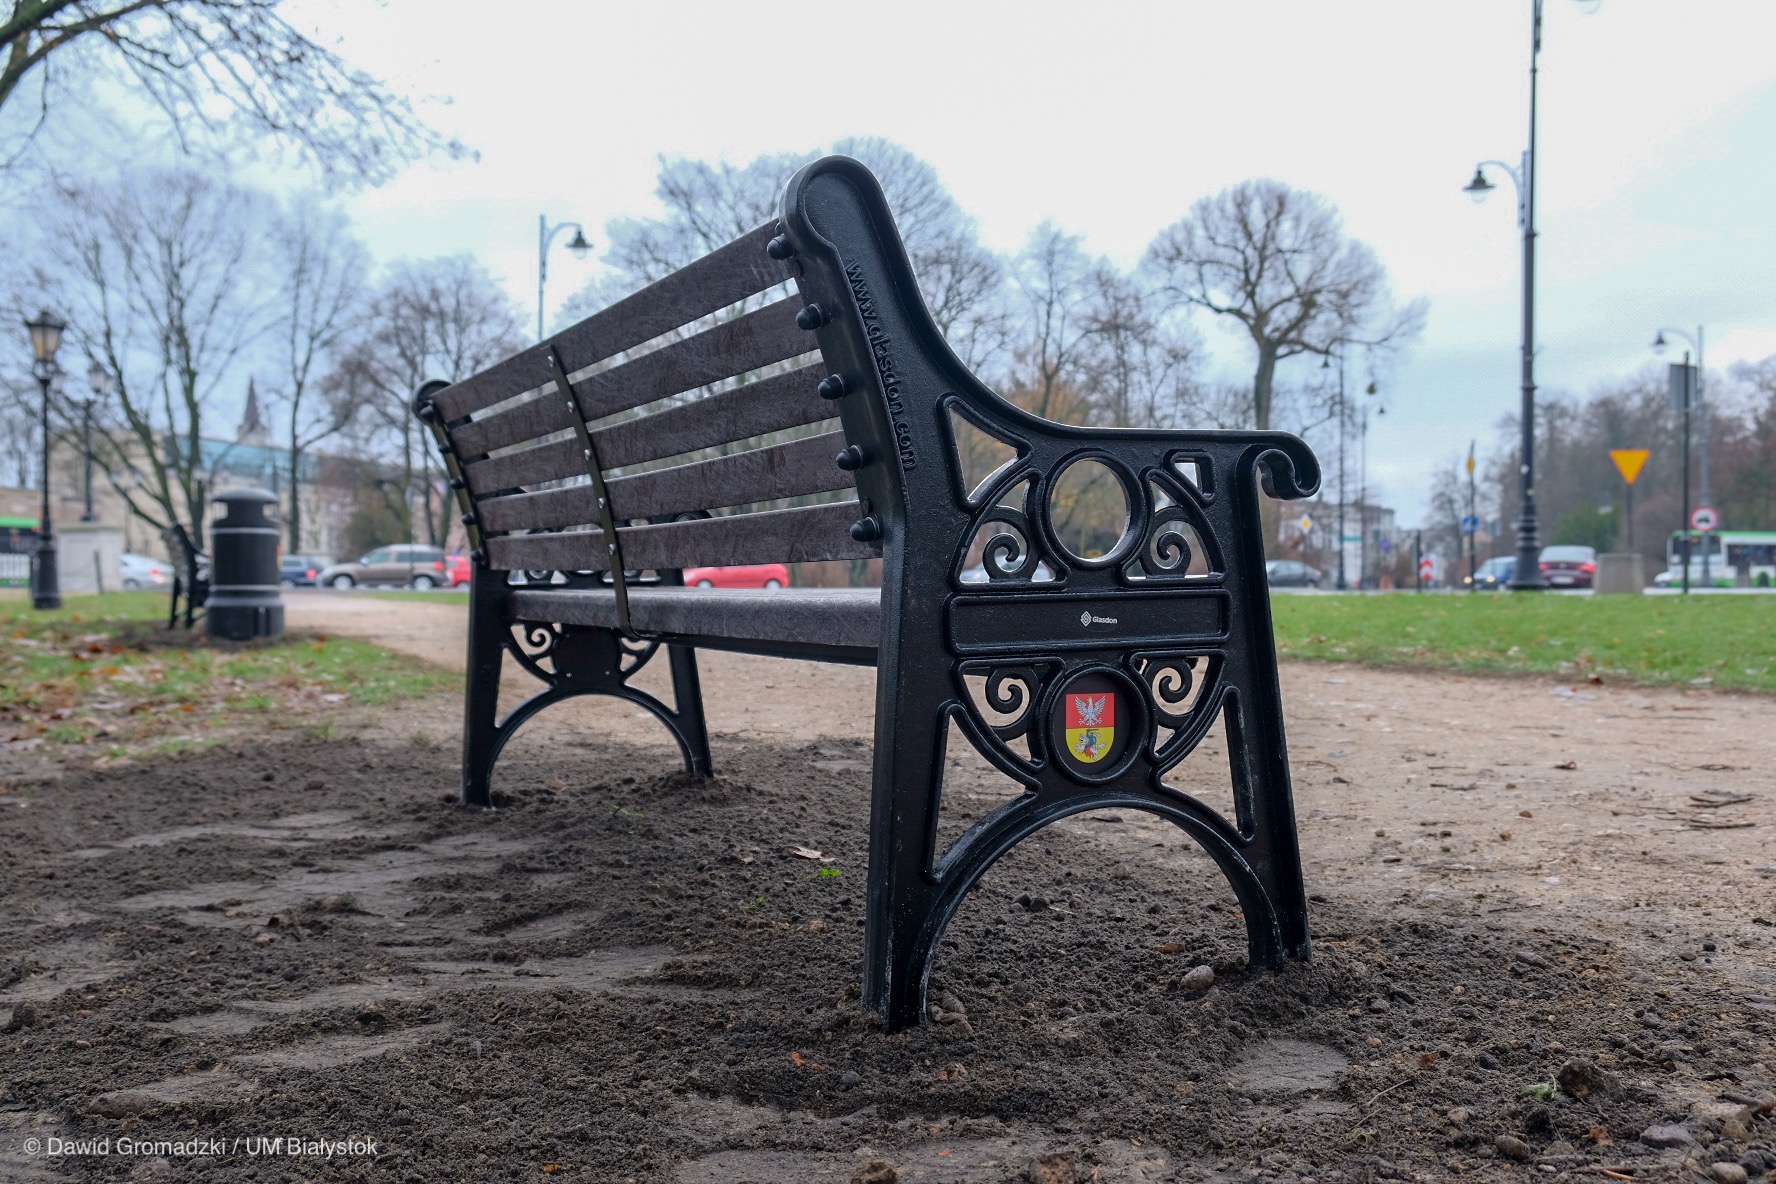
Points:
[[459, 570], [1569, 567], [755, 575]]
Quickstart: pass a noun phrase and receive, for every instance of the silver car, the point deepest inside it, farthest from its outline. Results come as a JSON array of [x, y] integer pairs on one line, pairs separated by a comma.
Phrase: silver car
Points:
[[404, 565], [139, 571]]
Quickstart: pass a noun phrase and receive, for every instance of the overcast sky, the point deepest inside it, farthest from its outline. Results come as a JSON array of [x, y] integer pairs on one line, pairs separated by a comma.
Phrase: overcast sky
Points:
[[1657, 127]]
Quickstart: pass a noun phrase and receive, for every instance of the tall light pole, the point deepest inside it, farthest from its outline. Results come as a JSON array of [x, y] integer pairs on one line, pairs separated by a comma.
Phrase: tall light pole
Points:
[[1325, 364], [577, 245], [46, 339], [1659, 347], [1527, 573]]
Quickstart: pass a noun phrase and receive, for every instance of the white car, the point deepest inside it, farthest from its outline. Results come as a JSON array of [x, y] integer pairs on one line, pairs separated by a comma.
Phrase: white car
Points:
[[139, 572]]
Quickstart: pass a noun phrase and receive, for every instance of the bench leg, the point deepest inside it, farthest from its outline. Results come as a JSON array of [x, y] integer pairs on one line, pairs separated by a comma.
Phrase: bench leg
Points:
[[487, 646], [687, 699], [914, 891]]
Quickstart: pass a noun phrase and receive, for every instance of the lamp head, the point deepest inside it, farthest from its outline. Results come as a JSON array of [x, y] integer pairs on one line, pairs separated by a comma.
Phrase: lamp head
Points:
[[46, 336], [98, 380], [1479, 187], [1660, 345], [578, 246]]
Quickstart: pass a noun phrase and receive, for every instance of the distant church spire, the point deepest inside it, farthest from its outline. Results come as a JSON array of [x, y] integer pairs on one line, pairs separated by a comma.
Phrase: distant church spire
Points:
[[252, 426]]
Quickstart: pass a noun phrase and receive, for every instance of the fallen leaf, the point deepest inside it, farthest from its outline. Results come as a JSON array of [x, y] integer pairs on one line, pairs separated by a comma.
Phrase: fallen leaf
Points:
[[1170, 948], [1567, 765], [807, 853], [550, 1169]]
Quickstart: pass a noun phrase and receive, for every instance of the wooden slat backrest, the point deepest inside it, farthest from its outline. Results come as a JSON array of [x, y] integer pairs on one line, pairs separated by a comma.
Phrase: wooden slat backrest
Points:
[[786, 400], [750, 342], [509, 433], [780, 471], [806, 534], [719, 280]]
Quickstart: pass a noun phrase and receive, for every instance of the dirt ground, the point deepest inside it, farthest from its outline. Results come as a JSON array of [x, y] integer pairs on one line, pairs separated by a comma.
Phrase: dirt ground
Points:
[[626, 974]]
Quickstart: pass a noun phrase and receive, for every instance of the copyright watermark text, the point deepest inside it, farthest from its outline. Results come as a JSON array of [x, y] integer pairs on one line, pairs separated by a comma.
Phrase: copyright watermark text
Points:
[[206, 1147]]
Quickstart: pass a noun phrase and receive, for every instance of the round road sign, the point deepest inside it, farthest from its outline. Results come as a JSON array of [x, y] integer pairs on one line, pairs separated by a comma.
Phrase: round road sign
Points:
[[1704, 518]]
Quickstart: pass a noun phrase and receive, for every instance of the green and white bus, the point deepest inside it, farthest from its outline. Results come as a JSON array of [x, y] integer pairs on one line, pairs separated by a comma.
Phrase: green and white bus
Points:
[[1736, 558]]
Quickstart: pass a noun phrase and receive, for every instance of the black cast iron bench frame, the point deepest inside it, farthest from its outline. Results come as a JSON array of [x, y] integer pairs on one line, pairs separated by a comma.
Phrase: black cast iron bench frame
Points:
[[1173, 621]]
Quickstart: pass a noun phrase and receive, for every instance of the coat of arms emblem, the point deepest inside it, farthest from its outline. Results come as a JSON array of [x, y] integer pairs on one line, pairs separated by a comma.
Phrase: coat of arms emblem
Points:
[[1091, 725]]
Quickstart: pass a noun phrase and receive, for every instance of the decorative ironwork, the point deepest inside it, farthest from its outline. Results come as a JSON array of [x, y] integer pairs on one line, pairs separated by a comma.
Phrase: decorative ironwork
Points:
[[1164, 633]]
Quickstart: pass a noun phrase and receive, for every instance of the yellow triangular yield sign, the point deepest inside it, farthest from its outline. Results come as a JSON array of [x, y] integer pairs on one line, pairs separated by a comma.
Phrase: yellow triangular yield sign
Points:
[[1629, 460]]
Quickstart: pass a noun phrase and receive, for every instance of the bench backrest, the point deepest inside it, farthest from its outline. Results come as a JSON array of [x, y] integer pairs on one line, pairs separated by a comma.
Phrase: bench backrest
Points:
[[681, 397]]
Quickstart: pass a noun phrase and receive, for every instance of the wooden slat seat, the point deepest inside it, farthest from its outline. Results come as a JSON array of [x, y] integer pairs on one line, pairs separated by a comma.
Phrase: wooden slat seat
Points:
[[751, 620]]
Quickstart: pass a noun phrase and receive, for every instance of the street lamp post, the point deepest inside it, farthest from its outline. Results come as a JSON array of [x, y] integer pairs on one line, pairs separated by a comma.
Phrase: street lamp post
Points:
[[1527, 573], [46, 339], [1324, 364], [1701, 399], [577, 245]]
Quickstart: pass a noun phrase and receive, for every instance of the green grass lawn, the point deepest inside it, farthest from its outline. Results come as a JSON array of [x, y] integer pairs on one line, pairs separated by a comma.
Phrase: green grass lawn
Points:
[[1727, 641], [100, 671]]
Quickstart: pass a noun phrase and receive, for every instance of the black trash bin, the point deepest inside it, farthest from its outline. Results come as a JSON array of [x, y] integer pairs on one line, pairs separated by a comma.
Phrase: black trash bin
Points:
[[245, 601]]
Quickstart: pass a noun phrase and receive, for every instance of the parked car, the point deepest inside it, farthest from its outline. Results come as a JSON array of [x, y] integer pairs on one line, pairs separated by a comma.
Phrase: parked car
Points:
[[459, 570], [139, 571], [1290, 573], [754, 575], [1494, 574], [405, 565], [1568, 566], [299, 571]]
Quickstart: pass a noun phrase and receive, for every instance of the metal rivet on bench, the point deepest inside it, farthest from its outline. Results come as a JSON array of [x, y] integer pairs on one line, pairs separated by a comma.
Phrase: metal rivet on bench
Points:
[[468, 520], [477, 555], [811, 317], [780, 248], [458, 483], [833, 386], [866, 530], [850, 459]]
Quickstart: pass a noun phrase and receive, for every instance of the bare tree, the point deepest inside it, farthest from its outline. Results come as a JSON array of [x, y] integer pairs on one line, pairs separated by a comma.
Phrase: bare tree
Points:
[[1277, 260], [438, 318], [708, 204], [1138, 367], [1053, 275], [156, 274], [323, 282], [220, 72]]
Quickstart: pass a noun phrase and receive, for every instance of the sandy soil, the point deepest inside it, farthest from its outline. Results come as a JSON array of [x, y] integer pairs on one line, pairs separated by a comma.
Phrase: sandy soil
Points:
[[626, 975]]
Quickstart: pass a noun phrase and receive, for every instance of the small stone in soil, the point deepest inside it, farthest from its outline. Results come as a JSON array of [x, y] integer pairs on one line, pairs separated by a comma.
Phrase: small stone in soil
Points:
[[1459, 1116], [876, 1171], [1511, 1147], [850, 1077], [1200, 979], [1581, 1079], [1727, 1173], [1667, 1136]]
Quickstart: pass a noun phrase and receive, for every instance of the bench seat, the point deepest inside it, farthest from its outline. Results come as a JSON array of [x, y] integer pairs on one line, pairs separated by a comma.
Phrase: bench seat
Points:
[[844, 623]]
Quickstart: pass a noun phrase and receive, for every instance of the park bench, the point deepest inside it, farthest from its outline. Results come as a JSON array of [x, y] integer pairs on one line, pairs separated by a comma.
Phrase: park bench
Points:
[[692, 424]]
